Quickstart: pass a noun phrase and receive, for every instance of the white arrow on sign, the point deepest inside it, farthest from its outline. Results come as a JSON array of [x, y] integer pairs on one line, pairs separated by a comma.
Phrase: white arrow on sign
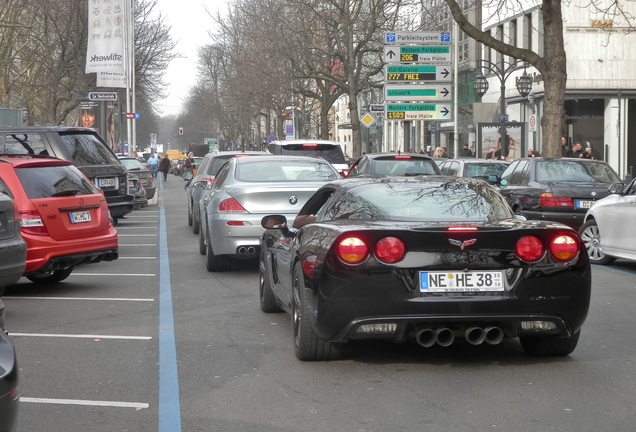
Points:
[[418, 92]]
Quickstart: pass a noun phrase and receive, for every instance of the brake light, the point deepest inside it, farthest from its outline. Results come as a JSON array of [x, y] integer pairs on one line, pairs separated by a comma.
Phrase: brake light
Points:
[[390, 250], [547, 199], [310, 146], [345, 173], [31, 223], [402, 157], [564, 248], [529, 249], [231, 205], [462, 228], [352, 250]]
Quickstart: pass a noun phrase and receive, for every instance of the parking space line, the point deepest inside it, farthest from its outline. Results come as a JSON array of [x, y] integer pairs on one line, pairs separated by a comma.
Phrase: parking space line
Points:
[[83, 298], [136, 405], [133, 258], [137, 244], [79, 336], [114, 274], [136, 235], [136, 227]]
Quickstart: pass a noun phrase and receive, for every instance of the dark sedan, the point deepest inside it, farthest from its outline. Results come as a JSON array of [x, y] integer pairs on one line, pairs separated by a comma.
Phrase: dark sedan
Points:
[[396, 164], [9, 394], [430, 259], [142, 172], [13, 249], [560, 190]]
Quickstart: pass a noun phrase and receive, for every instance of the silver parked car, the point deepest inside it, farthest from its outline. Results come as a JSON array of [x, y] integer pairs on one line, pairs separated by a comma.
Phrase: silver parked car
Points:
[[247, 188], [608, 232]]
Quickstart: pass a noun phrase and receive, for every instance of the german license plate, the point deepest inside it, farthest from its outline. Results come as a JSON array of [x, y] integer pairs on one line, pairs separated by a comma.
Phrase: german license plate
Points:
[[461, 281], [106, 182], [79, 217], [583, 204]]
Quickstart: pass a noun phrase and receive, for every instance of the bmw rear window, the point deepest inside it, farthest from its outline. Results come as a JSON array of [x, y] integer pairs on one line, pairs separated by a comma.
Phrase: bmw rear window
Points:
[[54, 181], [329, 152], [574, 171]]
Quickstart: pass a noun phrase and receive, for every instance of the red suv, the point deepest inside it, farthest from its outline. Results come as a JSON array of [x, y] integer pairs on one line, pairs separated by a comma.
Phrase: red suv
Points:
[[63, 217]]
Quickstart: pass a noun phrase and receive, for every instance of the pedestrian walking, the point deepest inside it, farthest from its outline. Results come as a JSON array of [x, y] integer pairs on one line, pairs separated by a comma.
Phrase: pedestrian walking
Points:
[[164, 167], [153, 163]]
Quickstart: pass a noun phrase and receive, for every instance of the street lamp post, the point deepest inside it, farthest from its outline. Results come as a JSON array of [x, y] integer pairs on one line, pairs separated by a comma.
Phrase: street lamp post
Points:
[[524, 86]]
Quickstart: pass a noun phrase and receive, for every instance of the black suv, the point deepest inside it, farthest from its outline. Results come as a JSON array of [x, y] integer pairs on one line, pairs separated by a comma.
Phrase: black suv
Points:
[[84, 148]]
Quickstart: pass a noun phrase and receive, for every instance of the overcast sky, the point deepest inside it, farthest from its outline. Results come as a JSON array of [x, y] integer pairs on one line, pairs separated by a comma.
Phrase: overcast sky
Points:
[[190, 24]]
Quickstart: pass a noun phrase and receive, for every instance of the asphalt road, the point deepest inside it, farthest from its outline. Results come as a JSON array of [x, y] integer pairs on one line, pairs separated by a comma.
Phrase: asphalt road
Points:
[[154, 342]]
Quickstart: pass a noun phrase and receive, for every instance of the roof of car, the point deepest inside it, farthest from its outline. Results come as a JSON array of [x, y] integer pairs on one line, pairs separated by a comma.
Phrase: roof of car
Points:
[[303, 141], [19, 160], [404, 155], [474, 160], [271, 157], [351, 182]]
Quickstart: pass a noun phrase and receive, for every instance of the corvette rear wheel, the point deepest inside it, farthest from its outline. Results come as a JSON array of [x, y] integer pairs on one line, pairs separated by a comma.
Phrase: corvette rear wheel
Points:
[[214, 262], [268, 300], [549, 345], [307, 344], [51, 277], [591, 237]]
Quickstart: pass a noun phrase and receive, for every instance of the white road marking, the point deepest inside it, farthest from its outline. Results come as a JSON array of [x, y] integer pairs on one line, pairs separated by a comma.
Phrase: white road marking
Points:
[[136, 235], [114, 274], [83, 298], [137, 244], [79, 336], [136, 405], [134, 258]]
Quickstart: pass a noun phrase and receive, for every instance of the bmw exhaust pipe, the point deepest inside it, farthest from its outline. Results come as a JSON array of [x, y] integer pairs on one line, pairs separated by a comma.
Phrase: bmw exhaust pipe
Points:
[[493, 335], [475, 335], [444, 336], [426, 337], [241, 250]]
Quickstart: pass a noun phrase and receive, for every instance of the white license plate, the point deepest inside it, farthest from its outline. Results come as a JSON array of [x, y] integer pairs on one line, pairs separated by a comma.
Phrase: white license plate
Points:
[[106, 182], [583, 204], [460, 281], [79, 217]]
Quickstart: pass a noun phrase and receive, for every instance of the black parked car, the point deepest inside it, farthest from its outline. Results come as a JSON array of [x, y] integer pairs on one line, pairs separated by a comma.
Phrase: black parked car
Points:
[[85, 148], [430, 259], [9, 394], [560, 190], [13, 249], [397, 164]]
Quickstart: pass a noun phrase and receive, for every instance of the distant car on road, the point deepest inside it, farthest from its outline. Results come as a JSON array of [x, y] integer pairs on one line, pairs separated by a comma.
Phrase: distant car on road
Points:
[[428, 259], [560, 190], [142, 172], [327, 150], [485, 169], [202, 181], [608, 231], [398, 164], [63, 217], [247, 188]]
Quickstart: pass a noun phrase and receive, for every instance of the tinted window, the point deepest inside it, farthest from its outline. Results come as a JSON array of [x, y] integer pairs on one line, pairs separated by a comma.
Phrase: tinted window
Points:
[[45, 182], [575, 171], [398, 165], [329, 152], [86, 149], [410, 201], [133, 164], [294, 170], [484, 169], [216, 164], [23, 143]]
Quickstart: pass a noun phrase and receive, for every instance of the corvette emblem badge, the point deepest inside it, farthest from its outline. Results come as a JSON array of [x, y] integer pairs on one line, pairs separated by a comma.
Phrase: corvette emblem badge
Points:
[[462, 244]]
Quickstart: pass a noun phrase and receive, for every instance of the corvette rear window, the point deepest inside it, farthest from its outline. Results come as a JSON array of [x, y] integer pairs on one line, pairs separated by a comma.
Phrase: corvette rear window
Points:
[[45, 182]]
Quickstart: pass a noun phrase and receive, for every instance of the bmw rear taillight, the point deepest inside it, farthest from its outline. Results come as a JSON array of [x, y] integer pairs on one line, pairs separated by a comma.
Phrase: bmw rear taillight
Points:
[[529, 249], [231, 205], [31, 223], [352, 250], [390, 250], [345, 173], [564, 248], [547, 199]]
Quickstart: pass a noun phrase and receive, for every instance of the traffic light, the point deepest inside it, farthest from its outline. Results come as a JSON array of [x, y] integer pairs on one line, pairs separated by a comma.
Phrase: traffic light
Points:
[[180, 131]]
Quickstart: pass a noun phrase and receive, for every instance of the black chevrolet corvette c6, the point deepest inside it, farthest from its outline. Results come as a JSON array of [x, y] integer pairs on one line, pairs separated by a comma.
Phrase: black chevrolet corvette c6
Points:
[[429, 259]]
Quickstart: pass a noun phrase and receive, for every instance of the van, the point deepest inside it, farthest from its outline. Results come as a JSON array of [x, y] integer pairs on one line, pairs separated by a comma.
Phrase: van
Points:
[[85, 148], [327, 150]]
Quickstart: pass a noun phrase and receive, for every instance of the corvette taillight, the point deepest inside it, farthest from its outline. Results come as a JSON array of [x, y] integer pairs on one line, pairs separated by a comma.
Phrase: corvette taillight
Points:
[[564, 248], [390, 250], [547, 199], [529, 249], [352, 250], [31, 223], [231, 205]]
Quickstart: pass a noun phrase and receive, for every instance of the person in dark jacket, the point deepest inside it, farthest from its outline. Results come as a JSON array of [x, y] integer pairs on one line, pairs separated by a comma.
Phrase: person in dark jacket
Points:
[[164, 167]]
